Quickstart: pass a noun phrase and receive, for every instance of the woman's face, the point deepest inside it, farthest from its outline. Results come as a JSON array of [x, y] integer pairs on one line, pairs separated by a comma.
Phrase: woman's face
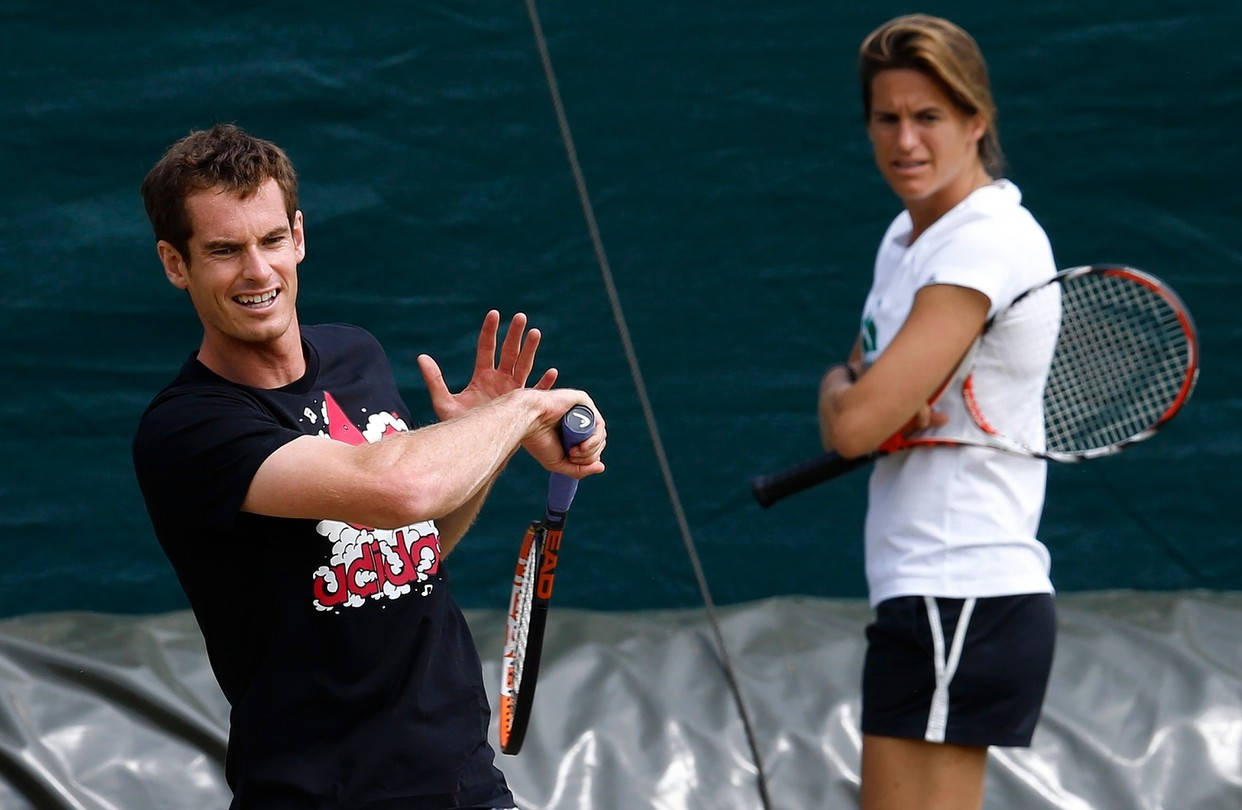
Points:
[[926, 148]]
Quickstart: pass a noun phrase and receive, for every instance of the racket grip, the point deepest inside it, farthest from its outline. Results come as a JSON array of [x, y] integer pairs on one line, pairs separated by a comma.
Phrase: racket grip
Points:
[[768, 489], [577, 425]]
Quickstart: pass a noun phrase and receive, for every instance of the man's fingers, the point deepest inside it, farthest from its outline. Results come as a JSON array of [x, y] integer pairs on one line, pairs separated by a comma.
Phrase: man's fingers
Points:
[[509, 350], [594, 445], [547, 380], [432, 377], [485, 356], [583, 470], [526, 357]]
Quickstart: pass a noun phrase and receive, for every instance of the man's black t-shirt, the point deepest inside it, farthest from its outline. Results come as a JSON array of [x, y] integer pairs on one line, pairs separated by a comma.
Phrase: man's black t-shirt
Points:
[[353, 678]]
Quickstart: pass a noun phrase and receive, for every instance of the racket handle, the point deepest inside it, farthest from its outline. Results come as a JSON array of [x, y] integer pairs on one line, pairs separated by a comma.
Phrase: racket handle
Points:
[[768, 489], [577, 425]]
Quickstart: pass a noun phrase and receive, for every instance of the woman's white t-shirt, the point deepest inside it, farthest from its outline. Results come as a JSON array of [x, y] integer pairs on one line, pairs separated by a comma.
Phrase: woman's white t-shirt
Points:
[[961, 521]]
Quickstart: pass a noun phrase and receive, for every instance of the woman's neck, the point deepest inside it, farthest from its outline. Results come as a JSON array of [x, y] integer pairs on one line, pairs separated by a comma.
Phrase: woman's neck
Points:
[[925, 212]]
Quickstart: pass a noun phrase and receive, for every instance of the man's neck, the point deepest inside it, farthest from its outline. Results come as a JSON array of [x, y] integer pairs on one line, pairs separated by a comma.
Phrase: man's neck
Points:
[[259, 365]]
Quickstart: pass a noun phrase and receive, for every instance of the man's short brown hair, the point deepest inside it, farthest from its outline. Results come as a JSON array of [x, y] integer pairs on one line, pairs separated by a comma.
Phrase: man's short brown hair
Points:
[[226, 157]]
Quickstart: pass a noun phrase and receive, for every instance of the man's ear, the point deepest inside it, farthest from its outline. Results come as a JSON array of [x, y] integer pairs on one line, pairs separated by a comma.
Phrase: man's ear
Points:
[[175, 267], [299, 235]]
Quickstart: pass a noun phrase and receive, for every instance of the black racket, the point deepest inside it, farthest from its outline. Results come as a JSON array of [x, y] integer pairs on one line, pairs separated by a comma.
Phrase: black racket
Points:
[[532, 591], [1125, 357]]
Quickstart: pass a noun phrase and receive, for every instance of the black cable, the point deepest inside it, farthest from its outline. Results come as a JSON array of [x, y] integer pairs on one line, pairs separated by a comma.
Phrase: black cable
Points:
[[632, 358]]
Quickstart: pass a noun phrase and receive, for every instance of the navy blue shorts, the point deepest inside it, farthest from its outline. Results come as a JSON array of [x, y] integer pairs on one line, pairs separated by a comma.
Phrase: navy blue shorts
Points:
[[965, 671]]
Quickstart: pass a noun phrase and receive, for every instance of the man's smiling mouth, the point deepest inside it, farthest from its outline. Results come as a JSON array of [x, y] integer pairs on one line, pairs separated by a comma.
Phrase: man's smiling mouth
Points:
[[258, 299]]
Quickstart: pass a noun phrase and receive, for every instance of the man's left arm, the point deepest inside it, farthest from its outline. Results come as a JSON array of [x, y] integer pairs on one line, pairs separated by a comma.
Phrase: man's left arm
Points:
[[455, 524]]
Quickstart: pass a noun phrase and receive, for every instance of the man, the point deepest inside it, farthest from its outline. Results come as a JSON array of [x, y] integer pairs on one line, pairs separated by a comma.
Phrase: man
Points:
[[306, 523]]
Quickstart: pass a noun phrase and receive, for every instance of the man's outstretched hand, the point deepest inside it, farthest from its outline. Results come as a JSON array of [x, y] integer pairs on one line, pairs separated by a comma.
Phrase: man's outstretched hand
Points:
[[490, 379]]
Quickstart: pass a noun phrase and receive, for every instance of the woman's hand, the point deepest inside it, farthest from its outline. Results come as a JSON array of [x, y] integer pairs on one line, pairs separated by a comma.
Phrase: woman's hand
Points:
[[891, 396]]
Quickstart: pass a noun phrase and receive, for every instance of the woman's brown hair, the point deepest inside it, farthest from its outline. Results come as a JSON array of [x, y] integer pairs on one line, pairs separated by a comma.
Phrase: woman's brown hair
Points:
[[948, 55]]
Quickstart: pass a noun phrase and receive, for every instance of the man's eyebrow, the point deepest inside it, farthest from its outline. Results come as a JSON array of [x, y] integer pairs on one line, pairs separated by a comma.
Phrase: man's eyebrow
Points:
[[217, 244]]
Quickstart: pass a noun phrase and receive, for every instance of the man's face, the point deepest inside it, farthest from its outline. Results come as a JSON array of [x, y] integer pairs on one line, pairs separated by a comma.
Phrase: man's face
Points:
[[242, 265]]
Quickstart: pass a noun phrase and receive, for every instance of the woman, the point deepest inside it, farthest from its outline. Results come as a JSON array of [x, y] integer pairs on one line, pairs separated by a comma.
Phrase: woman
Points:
[[959, 653]]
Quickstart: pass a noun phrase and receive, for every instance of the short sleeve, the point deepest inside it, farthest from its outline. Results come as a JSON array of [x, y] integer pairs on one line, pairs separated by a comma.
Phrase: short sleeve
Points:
[[196, 452], [974, 260]]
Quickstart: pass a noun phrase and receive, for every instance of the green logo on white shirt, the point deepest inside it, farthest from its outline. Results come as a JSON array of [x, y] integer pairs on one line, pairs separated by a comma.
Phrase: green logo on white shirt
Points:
[[868, 335]]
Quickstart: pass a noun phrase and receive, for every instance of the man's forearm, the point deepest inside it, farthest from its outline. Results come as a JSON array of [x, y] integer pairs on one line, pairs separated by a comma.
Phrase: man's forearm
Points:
[[454, 525], [425, 474]]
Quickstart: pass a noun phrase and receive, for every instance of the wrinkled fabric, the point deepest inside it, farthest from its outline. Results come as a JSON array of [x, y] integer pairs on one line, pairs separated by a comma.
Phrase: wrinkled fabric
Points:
[[1144, 710]]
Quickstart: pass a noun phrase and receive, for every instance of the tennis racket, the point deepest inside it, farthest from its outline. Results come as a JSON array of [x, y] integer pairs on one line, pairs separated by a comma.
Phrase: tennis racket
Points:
[[1124, 360], [532, 591]]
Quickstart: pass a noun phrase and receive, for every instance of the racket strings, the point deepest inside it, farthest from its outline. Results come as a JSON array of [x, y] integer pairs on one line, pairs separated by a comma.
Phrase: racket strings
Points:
[[1003, 393], [1120, 363], [521, 608], [525, 600]]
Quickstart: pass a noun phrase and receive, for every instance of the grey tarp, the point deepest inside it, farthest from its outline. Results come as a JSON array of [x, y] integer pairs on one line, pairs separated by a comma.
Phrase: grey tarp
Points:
[[1144, 710]]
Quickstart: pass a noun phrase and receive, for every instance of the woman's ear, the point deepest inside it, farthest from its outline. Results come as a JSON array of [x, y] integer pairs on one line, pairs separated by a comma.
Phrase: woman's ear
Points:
[[978, 127]]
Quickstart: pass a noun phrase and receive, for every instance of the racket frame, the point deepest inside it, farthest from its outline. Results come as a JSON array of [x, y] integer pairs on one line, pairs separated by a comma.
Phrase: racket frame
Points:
[[768, 489], [533, 581], [534, 577]]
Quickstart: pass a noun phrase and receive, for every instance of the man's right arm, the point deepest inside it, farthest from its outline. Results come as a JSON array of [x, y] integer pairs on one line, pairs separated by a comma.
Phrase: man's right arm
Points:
[[422, 474]]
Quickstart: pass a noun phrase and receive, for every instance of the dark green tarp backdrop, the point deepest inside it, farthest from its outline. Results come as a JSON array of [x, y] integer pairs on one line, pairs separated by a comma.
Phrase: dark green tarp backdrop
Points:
[[735, 194]]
